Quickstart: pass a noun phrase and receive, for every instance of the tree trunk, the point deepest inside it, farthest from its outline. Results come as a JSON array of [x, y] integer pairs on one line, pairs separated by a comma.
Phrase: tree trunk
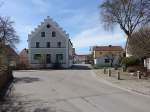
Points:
[[126, 46]]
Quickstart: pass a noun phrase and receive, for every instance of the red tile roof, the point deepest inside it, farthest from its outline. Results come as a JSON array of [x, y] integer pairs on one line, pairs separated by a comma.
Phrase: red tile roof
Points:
[[107, 48]]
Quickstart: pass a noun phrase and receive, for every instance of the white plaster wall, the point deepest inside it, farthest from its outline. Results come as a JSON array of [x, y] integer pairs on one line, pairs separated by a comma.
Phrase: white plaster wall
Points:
[[101, 61], [48, 37], [52, 51], [36, 37]]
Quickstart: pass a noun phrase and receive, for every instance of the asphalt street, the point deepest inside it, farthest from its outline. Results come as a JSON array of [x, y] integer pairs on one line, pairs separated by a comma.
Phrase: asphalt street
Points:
[[73, 90]]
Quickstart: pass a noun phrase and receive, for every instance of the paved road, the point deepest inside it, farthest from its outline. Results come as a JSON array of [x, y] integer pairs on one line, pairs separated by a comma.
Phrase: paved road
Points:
[[74, 90]]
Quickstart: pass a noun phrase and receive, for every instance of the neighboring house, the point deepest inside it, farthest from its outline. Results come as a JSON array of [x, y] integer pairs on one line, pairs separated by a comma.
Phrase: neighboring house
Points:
[[8, 56], [107, 55], [48, 45], [81, 58], [145, 58], [23, 58]]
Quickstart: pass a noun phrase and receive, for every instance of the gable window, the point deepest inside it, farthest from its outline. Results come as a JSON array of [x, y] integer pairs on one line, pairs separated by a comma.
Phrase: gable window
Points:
[[48, 45], [48, 26], [107, 60], [37, 44], [53, 34], [59, 44], [42, 34]]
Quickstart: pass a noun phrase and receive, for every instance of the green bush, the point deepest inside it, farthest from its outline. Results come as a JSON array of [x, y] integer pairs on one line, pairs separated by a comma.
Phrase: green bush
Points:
[[100, 66], [130, 61]]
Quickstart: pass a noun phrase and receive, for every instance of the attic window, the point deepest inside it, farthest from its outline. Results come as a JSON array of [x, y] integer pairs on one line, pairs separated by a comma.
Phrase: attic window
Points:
[[53, 34], [42, 34], [48, 26]]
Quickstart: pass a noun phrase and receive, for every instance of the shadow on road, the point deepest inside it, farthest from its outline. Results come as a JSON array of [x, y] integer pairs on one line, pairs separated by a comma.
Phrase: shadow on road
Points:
[[81, 67], [25, 79], [13, 103]]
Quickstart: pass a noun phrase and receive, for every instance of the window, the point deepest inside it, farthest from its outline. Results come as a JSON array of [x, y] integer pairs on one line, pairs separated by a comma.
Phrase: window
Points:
[[107, 60], [53, 34], [59, 58], [42, 34], [48, 26], [48, 58], [37, 44], [59, 44], [48, 44], [37, 56]]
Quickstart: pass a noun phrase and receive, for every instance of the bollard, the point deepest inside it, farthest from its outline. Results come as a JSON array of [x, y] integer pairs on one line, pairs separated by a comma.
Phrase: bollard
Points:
[[118, 75], [109, 72], [104, 70], [138, 75]]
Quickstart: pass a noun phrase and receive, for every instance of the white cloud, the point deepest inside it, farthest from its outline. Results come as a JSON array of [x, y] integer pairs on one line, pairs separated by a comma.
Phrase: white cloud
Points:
[[96, 36]]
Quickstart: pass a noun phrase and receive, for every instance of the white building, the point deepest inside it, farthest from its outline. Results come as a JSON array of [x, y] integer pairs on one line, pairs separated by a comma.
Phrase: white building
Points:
[[49, 44]]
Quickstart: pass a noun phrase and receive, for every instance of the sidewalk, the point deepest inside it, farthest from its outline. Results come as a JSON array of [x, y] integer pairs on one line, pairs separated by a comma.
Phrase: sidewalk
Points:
[[127, 81]]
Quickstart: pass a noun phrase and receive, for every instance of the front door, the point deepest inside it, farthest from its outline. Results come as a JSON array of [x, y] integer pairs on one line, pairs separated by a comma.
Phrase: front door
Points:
[[59, 58], [48, 58]]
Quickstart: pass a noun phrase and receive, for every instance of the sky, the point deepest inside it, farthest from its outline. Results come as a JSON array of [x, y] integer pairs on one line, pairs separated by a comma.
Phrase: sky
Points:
[[80, 18]]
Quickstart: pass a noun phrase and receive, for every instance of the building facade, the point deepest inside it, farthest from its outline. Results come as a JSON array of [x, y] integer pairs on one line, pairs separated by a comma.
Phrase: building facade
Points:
[[82, 59], [23, 58], [48, 45], [106, 55]]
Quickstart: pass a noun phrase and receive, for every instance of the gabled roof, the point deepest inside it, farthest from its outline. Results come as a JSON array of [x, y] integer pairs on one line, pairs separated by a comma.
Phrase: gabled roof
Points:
[[24, 52], [107, 48], [52, 23], [10, 51]]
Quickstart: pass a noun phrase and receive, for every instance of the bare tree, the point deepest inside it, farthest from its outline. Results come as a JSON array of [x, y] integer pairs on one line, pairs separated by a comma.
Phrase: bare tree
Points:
[[128, 14], [7, 32], [139, 43]]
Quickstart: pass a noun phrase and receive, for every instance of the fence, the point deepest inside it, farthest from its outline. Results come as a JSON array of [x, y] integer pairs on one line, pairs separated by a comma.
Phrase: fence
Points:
[[5, 77]]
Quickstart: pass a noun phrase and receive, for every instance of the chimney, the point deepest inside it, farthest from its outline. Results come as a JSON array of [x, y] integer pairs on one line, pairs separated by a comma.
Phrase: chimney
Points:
[[110, 45]]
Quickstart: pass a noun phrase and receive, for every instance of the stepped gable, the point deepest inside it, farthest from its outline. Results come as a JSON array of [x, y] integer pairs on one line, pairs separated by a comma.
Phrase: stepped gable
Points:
[[52, 23]]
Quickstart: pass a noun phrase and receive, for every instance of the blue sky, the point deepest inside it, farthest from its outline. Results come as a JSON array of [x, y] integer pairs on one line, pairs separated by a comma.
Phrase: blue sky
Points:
[[80, 18]]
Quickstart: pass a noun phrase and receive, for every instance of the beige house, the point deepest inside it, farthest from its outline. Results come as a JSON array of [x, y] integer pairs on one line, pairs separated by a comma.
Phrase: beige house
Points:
[[106, 55], [23, 58]]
